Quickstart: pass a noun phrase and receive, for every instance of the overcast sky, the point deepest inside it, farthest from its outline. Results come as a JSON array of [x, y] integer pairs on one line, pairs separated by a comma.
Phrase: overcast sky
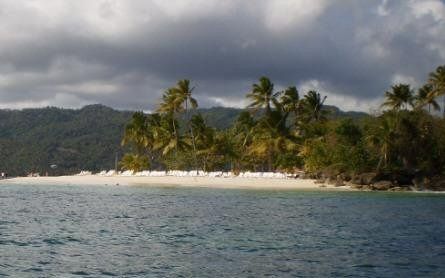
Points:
[[125, 53]]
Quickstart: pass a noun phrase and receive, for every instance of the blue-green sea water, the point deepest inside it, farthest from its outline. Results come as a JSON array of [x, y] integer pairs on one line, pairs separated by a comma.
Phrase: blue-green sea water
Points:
[[79, 231]]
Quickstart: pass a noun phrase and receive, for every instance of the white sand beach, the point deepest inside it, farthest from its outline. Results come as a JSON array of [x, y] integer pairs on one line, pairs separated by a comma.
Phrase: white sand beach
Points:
[[173, 181]]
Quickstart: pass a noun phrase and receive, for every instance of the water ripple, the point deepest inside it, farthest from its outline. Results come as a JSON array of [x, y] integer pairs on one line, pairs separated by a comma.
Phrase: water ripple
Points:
[[70, 231]]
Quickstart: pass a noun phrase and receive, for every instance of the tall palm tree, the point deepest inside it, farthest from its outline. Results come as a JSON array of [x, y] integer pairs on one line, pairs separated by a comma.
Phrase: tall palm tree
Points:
[[313, 106], [170, 105], [183, 93], [263, 96], [437, 81], [399, 97], [425, 96]]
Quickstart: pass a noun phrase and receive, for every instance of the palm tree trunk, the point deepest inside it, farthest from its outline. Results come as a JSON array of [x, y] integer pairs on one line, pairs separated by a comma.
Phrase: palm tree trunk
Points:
[[174, 127], [443, 107], [269, 160], [175, 135], [192, 135]]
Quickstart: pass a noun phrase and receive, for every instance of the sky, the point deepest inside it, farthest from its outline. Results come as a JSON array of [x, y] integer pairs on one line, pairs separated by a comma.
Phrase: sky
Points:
[[125, 53]]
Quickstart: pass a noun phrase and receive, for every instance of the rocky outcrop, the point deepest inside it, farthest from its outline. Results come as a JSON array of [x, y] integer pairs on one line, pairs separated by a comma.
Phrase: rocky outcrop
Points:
[[398, 181], [382, 185], [364, 178]]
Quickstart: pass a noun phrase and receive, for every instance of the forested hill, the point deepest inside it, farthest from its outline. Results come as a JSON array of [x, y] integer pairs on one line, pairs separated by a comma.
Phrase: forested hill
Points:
[[33, 139], [223, 117]]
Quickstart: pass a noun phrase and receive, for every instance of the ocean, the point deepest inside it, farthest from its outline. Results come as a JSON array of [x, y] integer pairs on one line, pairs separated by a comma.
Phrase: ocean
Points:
[[116, 231]]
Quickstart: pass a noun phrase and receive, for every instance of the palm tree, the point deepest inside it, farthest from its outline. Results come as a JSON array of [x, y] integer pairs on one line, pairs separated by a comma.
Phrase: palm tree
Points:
[[135, 162], [263, 96], [290, 103], [382, 136], [399, 97], [313, 106], [183, 94], [166, 138], [242, 133], [437, 81], [290, 100], [425, 96], [170, 105], [203, 139], [138, 132], [267, 144]]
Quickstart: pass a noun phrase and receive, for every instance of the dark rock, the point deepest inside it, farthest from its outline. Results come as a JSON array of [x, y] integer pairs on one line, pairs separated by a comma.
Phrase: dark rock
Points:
[[404, 178], [345, 177], [312, 176], [355, 180], [329, 173], [365, 178], [437, 184], [382, 185], [367, 187], [355, 186], [339, 181]]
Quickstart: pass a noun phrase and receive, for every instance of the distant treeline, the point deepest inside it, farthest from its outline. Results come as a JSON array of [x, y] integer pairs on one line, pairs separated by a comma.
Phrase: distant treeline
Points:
[[290, 130], [31, 140]]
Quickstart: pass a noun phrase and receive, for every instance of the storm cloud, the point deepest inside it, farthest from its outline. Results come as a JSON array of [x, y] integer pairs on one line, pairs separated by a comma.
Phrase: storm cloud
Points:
[[125, 53]]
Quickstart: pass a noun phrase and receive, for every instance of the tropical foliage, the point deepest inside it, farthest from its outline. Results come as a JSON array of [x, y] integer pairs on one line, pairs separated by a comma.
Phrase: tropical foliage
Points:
[[290, 130]]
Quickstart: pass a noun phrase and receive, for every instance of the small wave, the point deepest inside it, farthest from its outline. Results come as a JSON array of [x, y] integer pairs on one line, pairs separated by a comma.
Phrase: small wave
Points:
[[122, 217], [107, 273], [53, 241], [80, 273], [72, 239], [184, 235], [34, 269], [365, 266], [13, 242], [4, 222]]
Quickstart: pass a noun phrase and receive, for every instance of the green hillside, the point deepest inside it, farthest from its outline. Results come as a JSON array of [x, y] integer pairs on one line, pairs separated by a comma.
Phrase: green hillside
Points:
[[33, 139]]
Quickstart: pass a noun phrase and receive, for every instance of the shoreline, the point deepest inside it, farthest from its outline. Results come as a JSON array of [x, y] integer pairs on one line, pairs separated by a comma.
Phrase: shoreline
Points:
[[171, 181]]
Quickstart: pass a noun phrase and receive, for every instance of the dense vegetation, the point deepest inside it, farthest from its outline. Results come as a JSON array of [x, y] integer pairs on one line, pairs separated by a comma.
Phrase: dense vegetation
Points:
[[283, 131], [31, 140]]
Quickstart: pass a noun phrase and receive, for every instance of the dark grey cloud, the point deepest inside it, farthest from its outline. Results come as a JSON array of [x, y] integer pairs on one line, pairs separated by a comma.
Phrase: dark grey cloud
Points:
[[125, 53]]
